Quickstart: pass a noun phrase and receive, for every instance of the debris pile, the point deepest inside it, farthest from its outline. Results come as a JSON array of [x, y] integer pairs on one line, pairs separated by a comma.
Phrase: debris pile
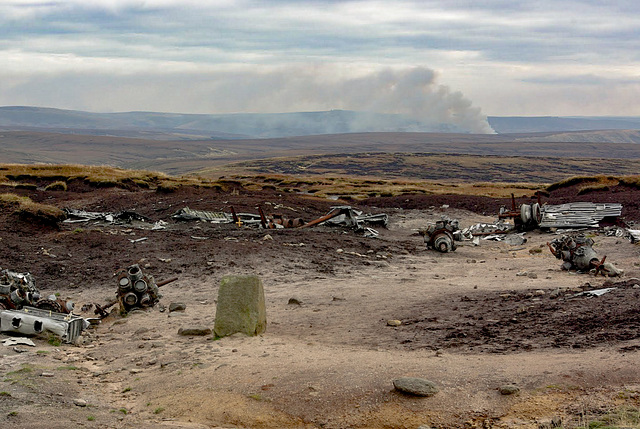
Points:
[[440, 235], [577, 254], [525, 218], [125, 216], [579, 215], [19, 289], [136, 289], [633, 235]]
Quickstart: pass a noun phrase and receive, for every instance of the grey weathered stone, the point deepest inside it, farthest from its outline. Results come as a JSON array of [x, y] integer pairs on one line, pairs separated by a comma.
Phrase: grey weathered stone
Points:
[[241, 306], [294, 301], [177, 306], [415, 386], [508, 389], [194, 332], [80, 402]]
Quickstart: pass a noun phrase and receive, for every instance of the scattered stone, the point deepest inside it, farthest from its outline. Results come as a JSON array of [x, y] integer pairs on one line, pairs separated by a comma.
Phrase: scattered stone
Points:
[[241, 306], [267, 237], [394, 323], [177, 306], [555, 293], [415, 386], [555, 422], [47, 374], [194, 332], [532, 275], [522, 274], [19, 350], [611, 270], [539, 292], [508, 389], [80, 402], [294, 301]]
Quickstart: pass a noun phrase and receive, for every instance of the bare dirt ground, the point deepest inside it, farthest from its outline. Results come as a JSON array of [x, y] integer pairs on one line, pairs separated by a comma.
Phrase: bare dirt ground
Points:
[[471, 321]]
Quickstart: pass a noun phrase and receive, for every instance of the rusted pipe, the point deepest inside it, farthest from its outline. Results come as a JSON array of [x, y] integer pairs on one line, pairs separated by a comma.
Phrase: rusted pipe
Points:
[[166, 282], [333, 213]]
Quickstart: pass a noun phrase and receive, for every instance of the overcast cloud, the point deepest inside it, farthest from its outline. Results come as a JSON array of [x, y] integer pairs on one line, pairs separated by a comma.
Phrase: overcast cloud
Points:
[[440, 59]]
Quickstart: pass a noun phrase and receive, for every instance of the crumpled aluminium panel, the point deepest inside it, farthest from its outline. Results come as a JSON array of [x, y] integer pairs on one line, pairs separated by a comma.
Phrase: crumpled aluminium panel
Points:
[[34, 321]]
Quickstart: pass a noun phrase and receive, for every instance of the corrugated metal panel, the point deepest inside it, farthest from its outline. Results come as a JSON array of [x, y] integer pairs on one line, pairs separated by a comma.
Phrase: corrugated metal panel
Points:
[[578, 215]]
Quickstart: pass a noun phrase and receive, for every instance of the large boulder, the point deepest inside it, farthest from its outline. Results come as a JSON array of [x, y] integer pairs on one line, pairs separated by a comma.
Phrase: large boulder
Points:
[[241, 306], [415, 386]]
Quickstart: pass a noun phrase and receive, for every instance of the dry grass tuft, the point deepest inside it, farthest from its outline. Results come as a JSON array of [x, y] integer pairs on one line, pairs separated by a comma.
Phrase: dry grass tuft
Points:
[[56, 186], [97, 176], [588, 181], [26, 209]]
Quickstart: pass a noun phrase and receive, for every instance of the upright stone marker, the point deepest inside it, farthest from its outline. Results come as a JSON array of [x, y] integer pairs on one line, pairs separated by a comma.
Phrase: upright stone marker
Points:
[[241, 306]]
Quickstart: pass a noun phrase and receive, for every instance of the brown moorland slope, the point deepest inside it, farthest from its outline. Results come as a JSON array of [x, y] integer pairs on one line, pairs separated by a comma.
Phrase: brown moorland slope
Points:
[[180, 157], [468, 320]]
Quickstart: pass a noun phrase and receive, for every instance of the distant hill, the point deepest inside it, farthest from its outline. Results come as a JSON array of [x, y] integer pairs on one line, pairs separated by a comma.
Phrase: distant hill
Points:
[[178, 126], [537, 124]]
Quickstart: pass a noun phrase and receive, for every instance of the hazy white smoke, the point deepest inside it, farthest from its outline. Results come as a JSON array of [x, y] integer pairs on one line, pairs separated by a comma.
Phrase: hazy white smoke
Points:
[[412, 92]]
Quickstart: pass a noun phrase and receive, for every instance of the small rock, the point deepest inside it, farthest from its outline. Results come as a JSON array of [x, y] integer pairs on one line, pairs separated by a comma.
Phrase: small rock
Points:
[[532, 275], [135, 371], [177, 306], [294, 301], [522, 274], [80, 402], [539, 292], [415, 386], [508, 389], [394, 323], [555, 293], [189, 332], [267, 237], [47, 374]]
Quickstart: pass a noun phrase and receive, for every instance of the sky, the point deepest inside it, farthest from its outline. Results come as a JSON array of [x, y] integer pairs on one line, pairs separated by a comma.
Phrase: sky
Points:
[[461, 59]]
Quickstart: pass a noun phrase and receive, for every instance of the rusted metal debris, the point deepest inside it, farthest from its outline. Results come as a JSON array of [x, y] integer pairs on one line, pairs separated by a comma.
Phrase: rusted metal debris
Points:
[[18, 290], [577, 254], [349, 217], [124, 216], [440, 235], [135, 290], [526, 217]]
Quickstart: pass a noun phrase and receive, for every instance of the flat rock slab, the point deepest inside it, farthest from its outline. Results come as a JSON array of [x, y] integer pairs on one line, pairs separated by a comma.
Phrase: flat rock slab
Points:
[[415, 386]]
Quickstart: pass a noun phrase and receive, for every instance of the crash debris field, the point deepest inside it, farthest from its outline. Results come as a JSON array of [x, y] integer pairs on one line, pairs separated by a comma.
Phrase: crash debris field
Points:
[[509, 339]]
